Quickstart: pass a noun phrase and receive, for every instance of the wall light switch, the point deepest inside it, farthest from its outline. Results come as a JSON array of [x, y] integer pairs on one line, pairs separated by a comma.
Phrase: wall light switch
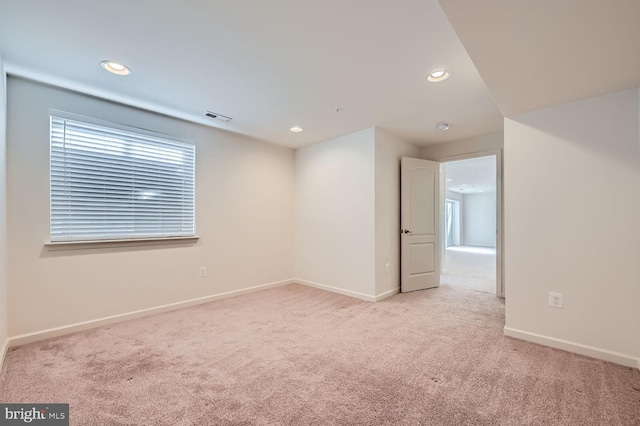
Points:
[[202, 272], [556, 300]]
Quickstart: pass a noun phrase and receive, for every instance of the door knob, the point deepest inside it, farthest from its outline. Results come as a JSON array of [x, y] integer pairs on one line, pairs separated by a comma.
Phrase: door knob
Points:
[[405, 231]]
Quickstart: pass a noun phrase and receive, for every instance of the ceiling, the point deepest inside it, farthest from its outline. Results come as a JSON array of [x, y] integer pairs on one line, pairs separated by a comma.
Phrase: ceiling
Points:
[[471, 176], [534, 54], [267, 64]]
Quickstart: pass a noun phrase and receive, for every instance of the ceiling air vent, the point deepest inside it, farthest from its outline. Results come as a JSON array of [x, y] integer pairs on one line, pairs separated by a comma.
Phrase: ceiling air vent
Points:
[[217, 116]]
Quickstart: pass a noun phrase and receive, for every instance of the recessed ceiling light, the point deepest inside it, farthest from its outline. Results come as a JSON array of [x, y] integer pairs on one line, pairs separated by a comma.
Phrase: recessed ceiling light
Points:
[[296, 129], [443, 126], [481, 190], [438, 75], [464, 184], [449, 180], [115, 68]]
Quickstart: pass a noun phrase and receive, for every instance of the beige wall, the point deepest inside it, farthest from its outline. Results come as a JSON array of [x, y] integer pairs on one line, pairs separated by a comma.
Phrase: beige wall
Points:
[[3, 213], [348, 213], [572, 205], [443, 151], [244, 216], [335, 214], [388, 152]]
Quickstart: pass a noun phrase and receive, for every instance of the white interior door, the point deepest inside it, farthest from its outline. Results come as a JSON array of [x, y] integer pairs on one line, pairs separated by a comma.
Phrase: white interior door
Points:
[[420, 224]]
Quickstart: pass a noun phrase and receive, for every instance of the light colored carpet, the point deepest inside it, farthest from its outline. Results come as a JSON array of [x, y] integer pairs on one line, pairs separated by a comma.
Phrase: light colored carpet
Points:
[[471, 268], [295, 355]]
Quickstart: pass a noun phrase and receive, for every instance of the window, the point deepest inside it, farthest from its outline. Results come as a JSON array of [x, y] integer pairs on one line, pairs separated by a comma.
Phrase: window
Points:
[[452, 222], [111, 182]]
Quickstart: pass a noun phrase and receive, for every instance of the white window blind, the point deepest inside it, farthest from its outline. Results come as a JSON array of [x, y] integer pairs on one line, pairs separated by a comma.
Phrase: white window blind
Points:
[[114, 183]]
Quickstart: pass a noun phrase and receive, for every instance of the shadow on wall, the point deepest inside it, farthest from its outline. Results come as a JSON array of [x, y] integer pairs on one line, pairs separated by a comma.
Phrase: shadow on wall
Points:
[[580, 124], [126, 246]]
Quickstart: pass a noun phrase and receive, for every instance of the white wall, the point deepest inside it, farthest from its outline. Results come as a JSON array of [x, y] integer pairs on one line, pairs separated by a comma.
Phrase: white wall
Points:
[[244, 218], [335, 214], [438, 152], [388, 152], [4, 328], [572, 213], [479, 218]]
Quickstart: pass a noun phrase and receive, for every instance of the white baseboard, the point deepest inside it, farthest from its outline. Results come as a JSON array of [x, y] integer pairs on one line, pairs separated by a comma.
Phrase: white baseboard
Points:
[[386, 294], [349, 293], [338, 290], [565, 345], [3, 353], [67, 329]]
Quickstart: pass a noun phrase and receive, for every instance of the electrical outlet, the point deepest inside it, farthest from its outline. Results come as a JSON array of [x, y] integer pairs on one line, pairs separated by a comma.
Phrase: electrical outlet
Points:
[[202, 272], [386, 268], [556, 300]]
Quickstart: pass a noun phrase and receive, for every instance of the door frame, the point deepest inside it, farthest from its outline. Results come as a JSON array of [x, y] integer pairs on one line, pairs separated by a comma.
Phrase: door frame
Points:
[[500, 281]]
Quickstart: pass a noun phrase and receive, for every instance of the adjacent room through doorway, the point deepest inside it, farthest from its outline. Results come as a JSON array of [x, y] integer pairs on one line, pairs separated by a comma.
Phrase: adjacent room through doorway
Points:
[[470, 224]]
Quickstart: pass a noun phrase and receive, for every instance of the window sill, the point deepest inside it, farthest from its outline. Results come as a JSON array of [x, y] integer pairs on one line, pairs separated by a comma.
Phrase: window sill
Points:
[[128, 242]]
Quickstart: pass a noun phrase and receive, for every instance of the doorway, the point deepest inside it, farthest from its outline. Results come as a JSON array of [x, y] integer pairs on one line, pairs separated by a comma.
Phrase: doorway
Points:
[[470, 249]]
